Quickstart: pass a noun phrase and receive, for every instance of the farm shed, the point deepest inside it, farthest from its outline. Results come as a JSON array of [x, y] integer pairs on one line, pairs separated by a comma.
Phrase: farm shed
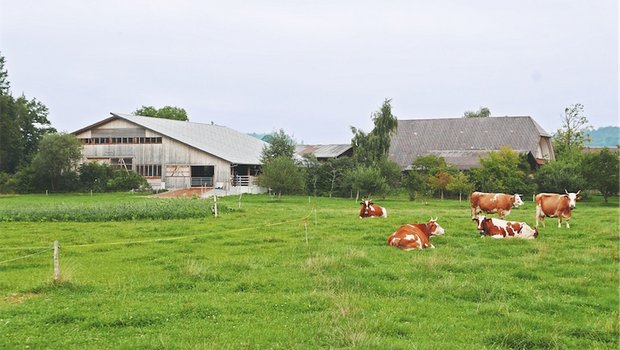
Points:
[[325, 152], [463, 141], [175, 154]]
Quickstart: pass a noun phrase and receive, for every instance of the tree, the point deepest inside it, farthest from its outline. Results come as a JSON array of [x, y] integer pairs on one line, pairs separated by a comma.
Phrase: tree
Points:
[[415, 183], [502, 171], [460, 184], [371, 148], [390, 171], [571, 139], [54, 165], [166, 112], [439, 182], [311, 166], [282, 145], [282, 175], [483, 112], [602, 169], [332, 176], [556, 176], [367, 181], [22, 124]]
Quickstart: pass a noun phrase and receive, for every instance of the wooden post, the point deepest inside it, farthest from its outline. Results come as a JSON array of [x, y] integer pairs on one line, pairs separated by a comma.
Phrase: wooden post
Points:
[[240, 194], [56, 263]]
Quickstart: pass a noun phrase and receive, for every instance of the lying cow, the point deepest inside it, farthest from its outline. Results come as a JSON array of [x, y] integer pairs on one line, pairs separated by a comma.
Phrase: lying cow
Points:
[[370, 209], [415, 236], [556, 205], [499, 203], [498, 228]]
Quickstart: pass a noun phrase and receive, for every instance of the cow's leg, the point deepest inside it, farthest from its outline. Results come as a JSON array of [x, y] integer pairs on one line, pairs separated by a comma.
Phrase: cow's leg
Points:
[[560, 221], [500, 213], [567, 222], [540, 215]]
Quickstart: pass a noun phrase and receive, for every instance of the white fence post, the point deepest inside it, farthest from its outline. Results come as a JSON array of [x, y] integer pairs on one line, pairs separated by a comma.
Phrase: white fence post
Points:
[[56, 263]]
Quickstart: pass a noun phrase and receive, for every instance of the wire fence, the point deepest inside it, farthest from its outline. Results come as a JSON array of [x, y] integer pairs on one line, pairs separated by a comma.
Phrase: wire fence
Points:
[[99, 244]]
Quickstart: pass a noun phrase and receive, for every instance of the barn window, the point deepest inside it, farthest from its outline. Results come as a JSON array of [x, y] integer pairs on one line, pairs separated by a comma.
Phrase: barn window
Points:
[[149, 170]]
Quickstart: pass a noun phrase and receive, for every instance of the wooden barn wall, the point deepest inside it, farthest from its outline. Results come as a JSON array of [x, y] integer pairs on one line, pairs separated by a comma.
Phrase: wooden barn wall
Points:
[[169, 153]]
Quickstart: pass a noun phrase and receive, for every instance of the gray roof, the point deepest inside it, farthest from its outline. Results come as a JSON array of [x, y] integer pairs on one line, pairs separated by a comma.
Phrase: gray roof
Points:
[[462, 141], [220, 141], [323, 151]]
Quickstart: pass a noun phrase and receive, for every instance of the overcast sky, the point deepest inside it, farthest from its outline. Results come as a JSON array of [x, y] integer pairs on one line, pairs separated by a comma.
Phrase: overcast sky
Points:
[[313, 68]]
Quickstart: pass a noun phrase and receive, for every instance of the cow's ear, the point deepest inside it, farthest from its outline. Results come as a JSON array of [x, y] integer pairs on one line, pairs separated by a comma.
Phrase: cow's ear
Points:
[[362, 203]]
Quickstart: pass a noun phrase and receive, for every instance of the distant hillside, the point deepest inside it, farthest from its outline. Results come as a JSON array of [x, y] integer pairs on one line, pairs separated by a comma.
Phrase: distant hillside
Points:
[[260, 136], [607, 136]]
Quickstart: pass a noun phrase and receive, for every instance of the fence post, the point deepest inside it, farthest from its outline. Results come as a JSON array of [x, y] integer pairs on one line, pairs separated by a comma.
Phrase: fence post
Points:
[[56, 263], [215, 205]]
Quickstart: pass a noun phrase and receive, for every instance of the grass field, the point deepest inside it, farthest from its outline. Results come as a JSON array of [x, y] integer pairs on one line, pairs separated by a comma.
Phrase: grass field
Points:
[[255, 278]]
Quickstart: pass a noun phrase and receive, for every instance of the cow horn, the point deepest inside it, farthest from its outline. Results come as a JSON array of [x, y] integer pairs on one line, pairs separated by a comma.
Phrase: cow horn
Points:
[[566, 191], [578, 191]]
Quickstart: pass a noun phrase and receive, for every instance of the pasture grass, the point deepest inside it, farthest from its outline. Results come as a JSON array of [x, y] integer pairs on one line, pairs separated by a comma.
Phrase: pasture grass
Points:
[[255, 278]]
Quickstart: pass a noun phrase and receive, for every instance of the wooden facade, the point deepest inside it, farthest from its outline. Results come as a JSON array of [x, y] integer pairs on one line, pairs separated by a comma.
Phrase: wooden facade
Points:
[[165, 162]]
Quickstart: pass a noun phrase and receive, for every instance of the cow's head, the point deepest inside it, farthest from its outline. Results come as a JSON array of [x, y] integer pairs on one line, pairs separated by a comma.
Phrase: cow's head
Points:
[[434, 228], [517, 200], [480, 222], [572, 198], [366, 208]]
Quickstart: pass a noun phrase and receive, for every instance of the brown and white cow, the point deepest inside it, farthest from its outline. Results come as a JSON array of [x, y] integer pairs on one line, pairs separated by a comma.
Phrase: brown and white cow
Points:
[[556, 205], [370, 209], [499, 203], [415, 236], [498, 228]]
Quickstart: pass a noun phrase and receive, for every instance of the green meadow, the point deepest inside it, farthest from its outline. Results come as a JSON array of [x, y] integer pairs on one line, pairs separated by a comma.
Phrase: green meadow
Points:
[[299, 273]]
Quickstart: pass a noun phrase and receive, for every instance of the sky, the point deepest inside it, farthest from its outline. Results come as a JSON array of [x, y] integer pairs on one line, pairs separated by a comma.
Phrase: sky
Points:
[[313, 68]]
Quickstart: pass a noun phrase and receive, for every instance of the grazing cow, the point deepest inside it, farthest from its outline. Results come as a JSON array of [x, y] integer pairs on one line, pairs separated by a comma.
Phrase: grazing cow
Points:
[[554, 204], [498, 228], [415, 236], [499, 203], [370, 209]]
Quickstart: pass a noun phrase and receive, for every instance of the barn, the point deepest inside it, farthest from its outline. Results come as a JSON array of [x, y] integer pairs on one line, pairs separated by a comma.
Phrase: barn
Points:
[[325, 152], [463, 141], [175, 154]]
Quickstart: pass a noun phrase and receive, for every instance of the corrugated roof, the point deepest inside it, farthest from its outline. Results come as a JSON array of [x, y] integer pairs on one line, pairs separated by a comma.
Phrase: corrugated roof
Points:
[[220, 141], [323, 151], [418, 137]]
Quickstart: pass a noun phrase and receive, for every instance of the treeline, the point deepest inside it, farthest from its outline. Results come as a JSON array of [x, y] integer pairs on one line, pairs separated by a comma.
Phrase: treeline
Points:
[[370, 172]]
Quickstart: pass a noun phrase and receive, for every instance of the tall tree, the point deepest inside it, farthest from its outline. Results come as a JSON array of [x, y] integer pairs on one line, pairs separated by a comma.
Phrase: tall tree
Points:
[[602, 169], [572, 137], [166, 112], [373, 147], [282, 175], [23, 123], [55, 164], [281, 145], [483, 112]]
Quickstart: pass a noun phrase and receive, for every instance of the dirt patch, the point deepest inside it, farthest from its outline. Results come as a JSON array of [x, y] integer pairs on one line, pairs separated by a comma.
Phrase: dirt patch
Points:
[[183, 192], [18, 298]]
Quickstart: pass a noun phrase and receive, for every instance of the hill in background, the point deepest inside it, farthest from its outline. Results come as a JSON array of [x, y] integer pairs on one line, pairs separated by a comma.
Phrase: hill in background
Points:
[[607, 136]]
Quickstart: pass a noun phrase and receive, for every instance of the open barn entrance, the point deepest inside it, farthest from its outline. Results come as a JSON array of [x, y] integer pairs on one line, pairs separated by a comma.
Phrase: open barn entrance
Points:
[[202, 175]]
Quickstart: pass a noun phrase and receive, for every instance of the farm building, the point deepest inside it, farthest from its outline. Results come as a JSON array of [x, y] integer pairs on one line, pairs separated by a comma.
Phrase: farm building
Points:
[[463, 141], [325, 152], [175, 154]]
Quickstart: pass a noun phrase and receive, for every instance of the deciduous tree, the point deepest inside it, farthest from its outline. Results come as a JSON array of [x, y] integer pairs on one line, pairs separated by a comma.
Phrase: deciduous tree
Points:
[[371, 148], [282, 175], [483, 112], [281, 145], [166, 112], [602, 170], [572, 137]]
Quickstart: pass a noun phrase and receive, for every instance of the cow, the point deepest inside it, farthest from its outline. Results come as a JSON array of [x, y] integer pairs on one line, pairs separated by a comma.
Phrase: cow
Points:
[[498, 228], [556, 205], [415, 236], [370, 209], [499, 203]]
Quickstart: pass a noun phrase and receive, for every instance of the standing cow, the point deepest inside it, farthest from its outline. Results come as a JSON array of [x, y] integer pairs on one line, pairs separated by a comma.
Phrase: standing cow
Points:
[[499, 203], [370, 209], [498, 228], [556, 205], [415, 236]]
